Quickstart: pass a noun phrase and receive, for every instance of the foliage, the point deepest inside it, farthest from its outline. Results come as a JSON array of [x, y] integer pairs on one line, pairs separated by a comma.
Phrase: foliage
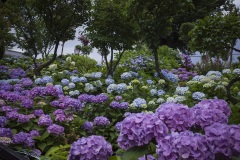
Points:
[[169, 58], [216, 34], [51, 22], [207, 63], [109, 29]]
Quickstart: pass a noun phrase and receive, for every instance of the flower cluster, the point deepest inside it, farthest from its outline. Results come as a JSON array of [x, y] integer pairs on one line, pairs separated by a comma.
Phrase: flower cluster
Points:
[[89, 87], [93, 147], [236, 71], [109, 81], [45, 120], [3, 121], [5, 132], [170, 76], [120, 105], [187, 145], [55, 129], [206, 116], [198, 96], [139, 129], [23, 138], [87, 125], [220, 104], [101, 121], [181, 90], [177, 117], [17, 73], [96, 75], [126, 75], [139, 102], [65, 102]]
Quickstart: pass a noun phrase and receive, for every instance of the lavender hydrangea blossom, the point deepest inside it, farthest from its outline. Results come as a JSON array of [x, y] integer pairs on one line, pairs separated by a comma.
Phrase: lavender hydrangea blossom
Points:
[[87, 126], [187, 145], [177, 117], [206, 117], [220, 104], [101, 121], [45, 120], [5, 132], [23, 138], [55, 129], [139, 129], [93, 147], [3, 121]]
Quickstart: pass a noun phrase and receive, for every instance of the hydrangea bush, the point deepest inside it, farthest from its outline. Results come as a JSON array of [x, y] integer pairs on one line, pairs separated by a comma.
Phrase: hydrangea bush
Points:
[[89, 115]]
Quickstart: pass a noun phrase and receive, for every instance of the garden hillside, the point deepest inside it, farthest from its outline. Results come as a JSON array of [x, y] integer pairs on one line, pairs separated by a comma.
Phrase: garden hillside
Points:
[[75, 111]]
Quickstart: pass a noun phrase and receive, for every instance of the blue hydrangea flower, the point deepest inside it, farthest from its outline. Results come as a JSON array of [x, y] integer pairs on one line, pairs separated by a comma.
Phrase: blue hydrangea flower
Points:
[[139, 102], [109, 81], [181, 90], [71, 85], [153, 92], [65, 82], [121, 88], [236, 71], [111, 88], [83, 79], [170, 76], [198, 96], [226, 71], [96, 75], [38, 81], [75, 79], [215, 73], [47, 79], [160, 92], [126, 75], [149, 81]]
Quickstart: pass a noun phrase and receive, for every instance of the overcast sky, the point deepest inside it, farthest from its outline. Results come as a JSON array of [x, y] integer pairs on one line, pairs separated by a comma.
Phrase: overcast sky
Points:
[[70, 45]]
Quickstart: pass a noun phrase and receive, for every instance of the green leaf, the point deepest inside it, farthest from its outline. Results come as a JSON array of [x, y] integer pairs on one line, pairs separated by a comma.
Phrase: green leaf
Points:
[[42, 146], [115, 158], [44, 136], [135, 152]]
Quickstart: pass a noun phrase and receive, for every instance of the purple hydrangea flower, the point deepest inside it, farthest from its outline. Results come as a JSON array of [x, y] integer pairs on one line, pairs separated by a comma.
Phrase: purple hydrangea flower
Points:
[[6, 109], [23, 138], [26, 82], [118, 126], [38, 112], [60, 117], [118, 98], [6, 87], [12, 115], [101, 121], [5, 132], [224, 138], [34, 133], [220, 104], [3, 121], [27, 103], [139, 129], [206, 117], [101, 98], [45, 120], [55, 129], [87, 125], [17, 73], [177, 117], [92, 147], [186, 145], [23, 118]]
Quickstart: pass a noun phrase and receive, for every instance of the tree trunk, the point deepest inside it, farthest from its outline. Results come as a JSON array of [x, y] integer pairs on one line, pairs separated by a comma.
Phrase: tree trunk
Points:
[[2, 51], [37, 71], [62, 48], [110, 69]]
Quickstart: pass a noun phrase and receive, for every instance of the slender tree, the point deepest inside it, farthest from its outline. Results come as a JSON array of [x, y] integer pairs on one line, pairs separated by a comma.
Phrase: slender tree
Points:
[[47, 23], [111, 29]]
